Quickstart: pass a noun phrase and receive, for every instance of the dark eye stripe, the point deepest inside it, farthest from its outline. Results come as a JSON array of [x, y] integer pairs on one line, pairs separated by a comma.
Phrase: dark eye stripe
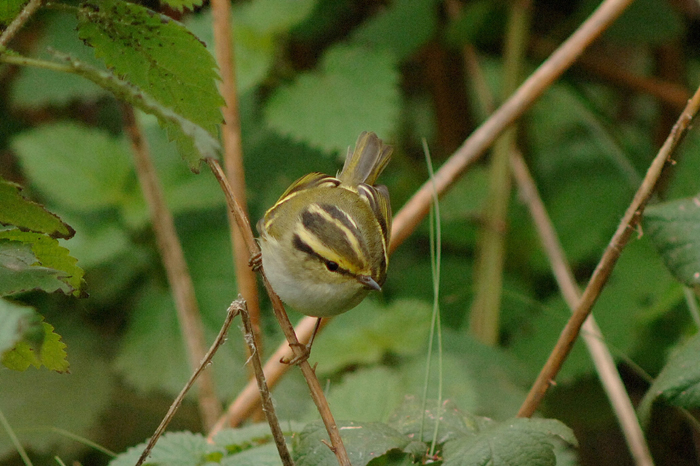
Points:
[[331, 234]]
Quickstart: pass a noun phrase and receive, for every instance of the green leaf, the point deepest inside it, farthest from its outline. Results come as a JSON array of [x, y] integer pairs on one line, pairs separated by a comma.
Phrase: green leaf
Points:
[[27, 215], [160, 56], [370, 331], [20, 272], [50, 254], [38, 87], [18, 323], [355, 89], [363, 442], [674, 228], [252, 445], [173, 449], [402, 27], [475, 20], [77, 167], [203, 141], [273, 16], [366, 395], [9, 9], [265, 455], [516, 441], [678, 383], [51, 354], [36, 401], [647, 22], [179, 5]]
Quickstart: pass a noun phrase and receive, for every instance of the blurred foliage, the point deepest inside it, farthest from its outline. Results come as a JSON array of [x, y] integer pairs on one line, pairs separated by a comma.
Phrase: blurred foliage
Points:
[[102, 358]]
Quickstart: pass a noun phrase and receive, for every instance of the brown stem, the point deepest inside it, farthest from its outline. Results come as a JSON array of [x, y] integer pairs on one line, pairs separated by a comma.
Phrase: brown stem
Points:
[[233, 156], [175, 267], [17, 23], [602, 359], [267, 405], [233, 310], [627, 226], [418, 206], [287, 328]]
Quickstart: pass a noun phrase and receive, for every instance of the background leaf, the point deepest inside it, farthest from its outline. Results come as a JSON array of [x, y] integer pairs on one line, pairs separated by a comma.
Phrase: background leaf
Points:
[[50, 354], [25, 214]]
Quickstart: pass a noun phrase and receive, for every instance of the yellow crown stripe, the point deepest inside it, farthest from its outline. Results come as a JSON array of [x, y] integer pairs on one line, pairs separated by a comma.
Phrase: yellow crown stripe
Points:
[[351, 234], [322, 251]]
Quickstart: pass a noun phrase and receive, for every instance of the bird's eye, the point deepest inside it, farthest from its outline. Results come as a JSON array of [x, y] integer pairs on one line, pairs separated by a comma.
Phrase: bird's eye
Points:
[[332, 266]]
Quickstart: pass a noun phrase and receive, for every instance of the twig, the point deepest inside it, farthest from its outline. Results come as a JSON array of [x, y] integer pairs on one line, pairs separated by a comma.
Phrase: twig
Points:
[[268, 407], [17, 23], [175, 266], [287, 328], [232, 311], [233, 156], [607, 262], [417, 207], [248, 400], [602, 359]]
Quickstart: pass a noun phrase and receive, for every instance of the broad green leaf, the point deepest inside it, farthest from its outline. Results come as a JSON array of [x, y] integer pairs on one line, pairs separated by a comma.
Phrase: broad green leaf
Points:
[[273, 16], [363, 442], [264, 455], [173, 449], [401, 28], [18, 323], [9, 9], [20, 271], [80, 168], [253, 445], [674, 228], [678, 383], [27, 215], [160, 56], [370, 331], [51, 354], [516, 441], [39, 87], [203, 141], [183, 4], [366, 395], [35, 401], [355, 89], [50, 254]]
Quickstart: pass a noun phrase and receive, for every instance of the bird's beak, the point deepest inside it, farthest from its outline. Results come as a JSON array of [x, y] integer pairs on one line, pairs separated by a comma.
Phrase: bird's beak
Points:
[[369, 282]]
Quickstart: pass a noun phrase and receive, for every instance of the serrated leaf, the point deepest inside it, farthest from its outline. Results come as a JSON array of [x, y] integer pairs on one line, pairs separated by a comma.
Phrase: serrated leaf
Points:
[[516, 441], [50, 254], [81, 168], [363, 442], [366, 334], [355, 89], [173, 449], [678, 383], [35, 399], [160, 56], [402, 27], [51, 354], [39, 87], [203, 141], [674, 228], [27, 215], [17, 323], [20, 271]]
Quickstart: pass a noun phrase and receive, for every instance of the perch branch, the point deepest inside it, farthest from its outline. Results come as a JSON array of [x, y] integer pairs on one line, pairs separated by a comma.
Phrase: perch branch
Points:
[[627, 226], [175, 267]]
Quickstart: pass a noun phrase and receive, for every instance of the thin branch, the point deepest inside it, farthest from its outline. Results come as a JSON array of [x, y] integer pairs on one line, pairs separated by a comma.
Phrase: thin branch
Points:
[[232, 311], [417, 207], [233, 156], [248, 400], [17, 23], [287, 328], [627, 226], [267, 405], [175, 266], [602, 359]]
